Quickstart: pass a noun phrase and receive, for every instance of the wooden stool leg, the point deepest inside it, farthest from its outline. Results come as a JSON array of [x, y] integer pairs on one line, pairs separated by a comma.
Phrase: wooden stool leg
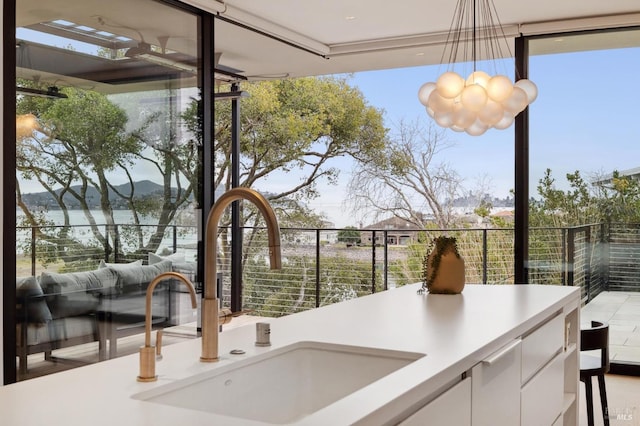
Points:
[[589, 391], [603, 400]]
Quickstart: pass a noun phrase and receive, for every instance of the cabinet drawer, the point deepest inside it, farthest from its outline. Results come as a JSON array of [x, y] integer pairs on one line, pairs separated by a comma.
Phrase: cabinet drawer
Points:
[[494, 387], [453, 407], [541, 345], [541, 399]]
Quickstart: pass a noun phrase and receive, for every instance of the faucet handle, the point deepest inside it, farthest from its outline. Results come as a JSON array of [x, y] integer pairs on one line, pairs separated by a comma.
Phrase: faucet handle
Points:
[[226, 315]]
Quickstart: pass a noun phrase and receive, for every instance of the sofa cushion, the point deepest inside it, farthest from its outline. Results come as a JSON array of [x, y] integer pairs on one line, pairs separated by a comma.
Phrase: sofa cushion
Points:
[[29, 293], [178, 264], [174, 258], [139, 275], [78, 292]]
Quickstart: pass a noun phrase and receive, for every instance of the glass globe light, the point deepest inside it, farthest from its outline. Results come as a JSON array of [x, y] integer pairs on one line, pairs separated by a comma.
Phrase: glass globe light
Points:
[[444, 119], [456, 128], [516, 102], [530, 89], [476, 129], [491, 113], [499, 88], [473, 97], [439, 104], [424, 92], [449, 84], [462, 117], [478, 77], [26, 125], [505, 122], [430, 111]]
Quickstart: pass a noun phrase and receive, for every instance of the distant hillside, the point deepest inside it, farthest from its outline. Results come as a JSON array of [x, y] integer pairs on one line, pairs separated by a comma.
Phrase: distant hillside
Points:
[[142, 189]]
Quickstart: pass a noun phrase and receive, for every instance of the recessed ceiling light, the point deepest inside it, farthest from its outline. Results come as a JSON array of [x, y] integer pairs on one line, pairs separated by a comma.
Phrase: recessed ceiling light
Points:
[[420, 54], [349, 18], [558, 40]]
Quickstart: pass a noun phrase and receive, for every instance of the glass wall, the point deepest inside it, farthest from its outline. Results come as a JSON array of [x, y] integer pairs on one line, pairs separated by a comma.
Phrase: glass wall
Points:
[[584, 170], [107, 170]]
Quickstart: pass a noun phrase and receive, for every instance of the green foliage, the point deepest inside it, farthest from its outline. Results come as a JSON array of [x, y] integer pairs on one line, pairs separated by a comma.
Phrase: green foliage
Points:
[[484, 208], [349, 235], [293, 288], [297, 124], [606, 200]]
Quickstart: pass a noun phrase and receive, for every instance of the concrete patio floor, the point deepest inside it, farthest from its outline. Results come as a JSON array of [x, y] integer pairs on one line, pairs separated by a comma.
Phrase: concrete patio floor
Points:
[[622, 311]]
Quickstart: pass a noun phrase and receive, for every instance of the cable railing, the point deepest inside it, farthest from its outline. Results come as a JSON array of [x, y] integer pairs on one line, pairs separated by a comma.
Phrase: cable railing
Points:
[[318, 270]]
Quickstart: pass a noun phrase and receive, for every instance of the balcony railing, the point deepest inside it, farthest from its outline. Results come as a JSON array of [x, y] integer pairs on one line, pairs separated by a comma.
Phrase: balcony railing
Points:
[[319, 270]]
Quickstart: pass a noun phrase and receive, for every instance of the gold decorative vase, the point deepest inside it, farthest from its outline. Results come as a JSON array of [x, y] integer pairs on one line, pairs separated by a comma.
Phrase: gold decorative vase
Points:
[[443, 271]]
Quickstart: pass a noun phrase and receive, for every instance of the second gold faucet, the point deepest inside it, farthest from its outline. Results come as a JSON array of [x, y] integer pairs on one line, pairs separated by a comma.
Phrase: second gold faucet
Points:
[[210, 323]]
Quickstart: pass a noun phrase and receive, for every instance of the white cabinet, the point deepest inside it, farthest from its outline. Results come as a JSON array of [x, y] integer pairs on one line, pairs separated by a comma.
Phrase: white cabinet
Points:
[[453, 407], [539, 346], [543, 396], [495, 387], [530, 380]]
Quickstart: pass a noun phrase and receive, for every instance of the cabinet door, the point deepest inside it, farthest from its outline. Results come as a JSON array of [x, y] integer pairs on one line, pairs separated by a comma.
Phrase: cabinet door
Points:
[[496, 387], [453, 407]]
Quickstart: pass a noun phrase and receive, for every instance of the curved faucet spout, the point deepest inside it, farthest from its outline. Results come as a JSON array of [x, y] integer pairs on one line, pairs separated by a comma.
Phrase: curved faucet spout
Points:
[[210, 303], [148, 352], [211, 242]]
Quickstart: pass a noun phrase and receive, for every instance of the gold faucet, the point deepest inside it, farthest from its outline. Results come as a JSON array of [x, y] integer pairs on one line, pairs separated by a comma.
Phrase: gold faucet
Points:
[[148, 352], [210, 323]]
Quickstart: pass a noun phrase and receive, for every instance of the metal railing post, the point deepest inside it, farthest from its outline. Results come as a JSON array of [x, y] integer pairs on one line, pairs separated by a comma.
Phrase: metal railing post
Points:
[[106, 236], [115, 244], [373, 262], [386, 261], [563, 254], [33, 251], [484, 256], [317, 268], [571, 253], [587, 261], [175, 238]]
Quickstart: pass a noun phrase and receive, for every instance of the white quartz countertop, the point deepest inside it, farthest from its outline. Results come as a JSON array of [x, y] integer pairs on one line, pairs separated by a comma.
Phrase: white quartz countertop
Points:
[[454, 331]]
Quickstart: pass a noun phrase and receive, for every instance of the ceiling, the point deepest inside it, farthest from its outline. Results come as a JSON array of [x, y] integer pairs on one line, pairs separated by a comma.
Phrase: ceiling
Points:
[[356, 35], [290, 38]]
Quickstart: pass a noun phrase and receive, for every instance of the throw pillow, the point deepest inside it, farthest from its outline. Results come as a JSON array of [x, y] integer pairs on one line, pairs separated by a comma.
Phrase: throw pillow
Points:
[[135, 263], [30, 296], [175, 258]]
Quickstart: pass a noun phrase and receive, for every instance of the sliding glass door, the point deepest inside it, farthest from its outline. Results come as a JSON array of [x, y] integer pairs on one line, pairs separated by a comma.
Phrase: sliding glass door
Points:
[[585, 177], [108, 171]]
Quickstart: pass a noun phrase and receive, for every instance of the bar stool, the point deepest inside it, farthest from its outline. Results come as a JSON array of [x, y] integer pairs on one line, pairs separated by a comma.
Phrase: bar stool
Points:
[[595, 338]]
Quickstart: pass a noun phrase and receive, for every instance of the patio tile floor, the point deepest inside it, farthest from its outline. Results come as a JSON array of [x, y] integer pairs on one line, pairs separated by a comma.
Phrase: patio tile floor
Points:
[[622, 311]]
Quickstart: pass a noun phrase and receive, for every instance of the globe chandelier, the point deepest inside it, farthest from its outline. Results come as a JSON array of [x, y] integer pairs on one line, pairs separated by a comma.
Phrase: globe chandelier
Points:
[[480, 101]]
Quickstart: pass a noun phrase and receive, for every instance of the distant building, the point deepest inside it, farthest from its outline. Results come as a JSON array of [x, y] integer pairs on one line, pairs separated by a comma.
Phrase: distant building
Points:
[[608, 179], [506, 215], [398, 232]]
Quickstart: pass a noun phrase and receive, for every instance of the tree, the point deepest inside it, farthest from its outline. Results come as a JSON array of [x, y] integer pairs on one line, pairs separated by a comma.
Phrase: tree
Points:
[[297, 127], [349, 235], [76, 144], [405, 179]]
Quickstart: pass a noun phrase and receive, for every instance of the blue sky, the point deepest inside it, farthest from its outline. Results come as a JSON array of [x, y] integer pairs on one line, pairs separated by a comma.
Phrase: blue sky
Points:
[[586, 118]]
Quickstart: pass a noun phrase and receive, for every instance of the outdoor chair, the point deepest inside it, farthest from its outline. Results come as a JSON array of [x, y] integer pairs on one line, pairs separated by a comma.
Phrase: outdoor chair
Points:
[[591, 339]]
